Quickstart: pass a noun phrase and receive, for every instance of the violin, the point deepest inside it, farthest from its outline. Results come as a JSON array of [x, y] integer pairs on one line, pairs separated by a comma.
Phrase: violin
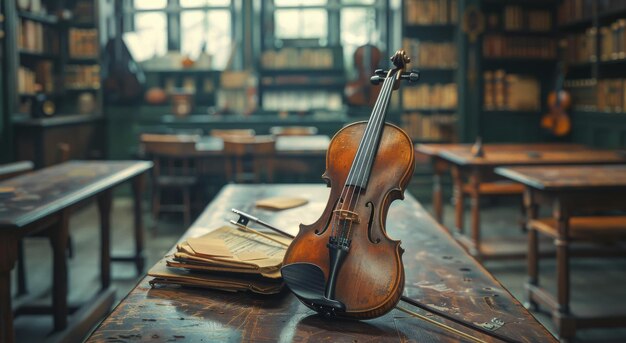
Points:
[[345, 264], [556, 121], [360, 92]]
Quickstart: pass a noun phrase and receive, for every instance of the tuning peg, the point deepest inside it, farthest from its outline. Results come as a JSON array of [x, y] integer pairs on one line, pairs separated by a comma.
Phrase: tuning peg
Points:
[[412, 76], [376, 80], [380, 72]]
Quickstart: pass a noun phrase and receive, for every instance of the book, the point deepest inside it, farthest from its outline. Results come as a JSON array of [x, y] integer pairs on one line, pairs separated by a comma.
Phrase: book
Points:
[[226, 258]]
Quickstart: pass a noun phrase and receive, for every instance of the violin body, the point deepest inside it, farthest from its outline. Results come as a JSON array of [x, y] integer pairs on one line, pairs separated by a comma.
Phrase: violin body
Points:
[[370, 280], [360, 92], [557, 121]]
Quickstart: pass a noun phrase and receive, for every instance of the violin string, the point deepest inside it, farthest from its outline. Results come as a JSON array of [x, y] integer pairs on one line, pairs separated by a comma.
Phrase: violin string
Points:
[[370, 145], [359, 160], [356, 163]]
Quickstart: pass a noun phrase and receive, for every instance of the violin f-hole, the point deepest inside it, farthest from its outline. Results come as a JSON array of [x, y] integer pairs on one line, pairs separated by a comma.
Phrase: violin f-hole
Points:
[[369, 223]]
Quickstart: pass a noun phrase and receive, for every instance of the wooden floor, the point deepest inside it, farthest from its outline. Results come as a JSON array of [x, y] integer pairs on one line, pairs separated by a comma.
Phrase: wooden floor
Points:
[[597, 283]]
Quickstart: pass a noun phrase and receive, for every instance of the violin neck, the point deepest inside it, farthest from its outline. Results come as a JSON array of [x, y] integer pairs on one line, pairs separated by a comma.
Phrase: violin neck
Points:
[[368, 147]]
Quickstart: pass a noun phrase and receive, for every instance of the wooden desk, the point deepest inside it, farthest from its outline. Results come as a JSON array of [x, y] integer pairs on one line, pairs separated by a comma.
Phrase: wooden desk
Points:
[[286, 146], [569, 190], [478, 170], [43, 201], [438, 272], [441, 166]]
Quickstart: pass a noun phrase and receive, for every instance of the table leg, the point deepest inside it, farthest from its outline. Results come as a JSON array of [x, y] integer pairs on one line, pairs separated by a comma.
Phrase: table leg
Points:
[[475, 208], [439, 168], [8, 255], [138, 186], [104, 208], [562, 261], [459, 199], [533, 248], [58, 238]]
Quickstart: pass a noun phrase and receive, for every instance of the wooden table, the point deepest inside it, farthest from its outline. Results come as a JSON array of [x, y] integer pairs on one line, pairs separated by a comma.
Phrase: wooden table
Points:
[[471, 172], [438, 272], [285, 145], [441, 166], [570, 190], [43, 200]]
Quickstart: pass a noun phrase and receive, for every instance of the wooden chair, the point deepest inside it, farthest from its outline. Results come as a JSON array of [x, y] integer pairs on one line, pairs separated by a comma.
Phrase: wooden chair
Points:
[[293, 130], [249, 158], [174, 169], [232, 133]]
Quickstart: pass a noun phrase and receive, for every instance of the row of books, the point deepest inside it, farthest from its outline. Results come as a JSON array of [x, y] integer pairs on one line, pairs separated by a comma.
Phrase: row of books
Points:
[[517, 18], [429, 12], [83, 43], [613, 41], [431, 54], [431, 97], [607, 95], [581, 48], [33, 37], [573, 10], [41, 79], [301, 100], [500, 46], [293, 58], [84, 11], [423, 127], [82, 76], [514, 92]]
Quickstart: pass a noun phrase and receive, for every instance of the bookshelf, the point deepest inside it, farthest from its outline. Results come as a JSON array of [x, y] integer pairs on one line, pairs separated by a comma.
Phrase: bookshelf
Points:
[[52, 59], [301, 80], [518, 55], [429, 35], [594, 31]]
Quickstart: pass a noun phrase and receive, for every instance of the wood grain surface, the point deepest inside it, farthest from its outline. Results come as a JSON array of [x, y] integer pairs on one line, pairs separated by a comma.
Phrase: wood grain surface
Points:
[[499, 158], [48, 190], [439, 273], [568, 177]]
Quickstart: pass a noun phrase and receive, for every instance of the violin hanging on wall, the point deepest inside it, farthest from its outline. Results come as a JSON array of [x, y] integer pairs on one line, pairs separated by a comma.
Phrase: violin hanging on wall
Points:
[[361, 92], [345, 264]]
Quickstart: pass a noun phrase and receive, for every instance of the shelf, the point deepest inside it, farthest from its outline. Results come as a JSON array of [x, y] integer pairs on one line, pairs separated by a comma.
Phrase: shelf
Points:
[[40, 55], [512, 112], [40, 18], [304, 86], [56, 120], [431, 110], [83, 60], [607, 17], [527, 60], [527, 33], [291, 71], [614, 62], [82, 25], [82, 89], [182, 71], [577, 24]]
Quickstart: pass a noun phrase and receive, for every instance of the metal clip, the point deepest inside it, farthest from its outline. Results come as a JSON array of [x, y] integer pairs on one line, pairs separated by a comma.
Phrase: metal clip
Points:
[[493, 325]]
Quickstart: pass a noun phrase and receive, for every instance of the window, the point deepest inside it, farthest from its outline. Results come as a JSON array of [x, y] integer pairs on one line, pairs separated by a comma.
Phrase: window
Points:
[[188, 26], [345, 23]]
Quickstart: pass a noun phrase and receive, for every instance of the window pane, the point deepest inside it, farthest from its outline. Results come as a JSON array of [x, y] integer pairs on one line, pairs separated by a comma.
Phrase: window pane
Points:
[[359, 2], [150, 36], [305, 23], [280, 3], [210, 29], [150, 4], [358, 27], [199, 3]]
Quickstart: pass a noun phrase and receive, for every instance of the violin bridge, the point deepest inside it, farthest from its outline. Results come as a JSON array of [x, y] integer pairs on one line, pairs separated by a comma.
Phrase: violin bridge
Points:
[[348, 215]]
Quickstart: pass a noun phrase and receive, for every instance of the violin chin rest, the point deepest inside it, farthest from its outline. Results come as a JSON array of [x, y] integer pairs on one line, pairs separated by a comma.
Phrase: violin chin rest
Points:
[[307, 282]]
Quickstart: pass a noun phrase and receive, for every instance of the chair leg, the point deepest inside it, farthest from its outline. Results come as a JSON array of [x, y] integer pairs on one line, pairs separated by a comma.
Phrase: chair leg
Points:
[[22, 288], [70, 247], [156, 202], [187, 206]]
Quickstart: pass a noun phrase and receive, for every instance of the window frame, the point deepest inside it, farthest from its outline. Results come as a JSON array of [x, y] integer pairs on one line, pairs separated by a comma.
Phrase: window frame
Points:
[[173, 11]]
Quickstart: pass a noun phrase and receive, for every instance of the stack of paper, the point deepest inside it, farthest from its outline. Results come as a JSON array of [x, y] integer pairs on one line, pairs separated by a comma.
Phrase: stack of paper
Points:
[[228, 259]]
